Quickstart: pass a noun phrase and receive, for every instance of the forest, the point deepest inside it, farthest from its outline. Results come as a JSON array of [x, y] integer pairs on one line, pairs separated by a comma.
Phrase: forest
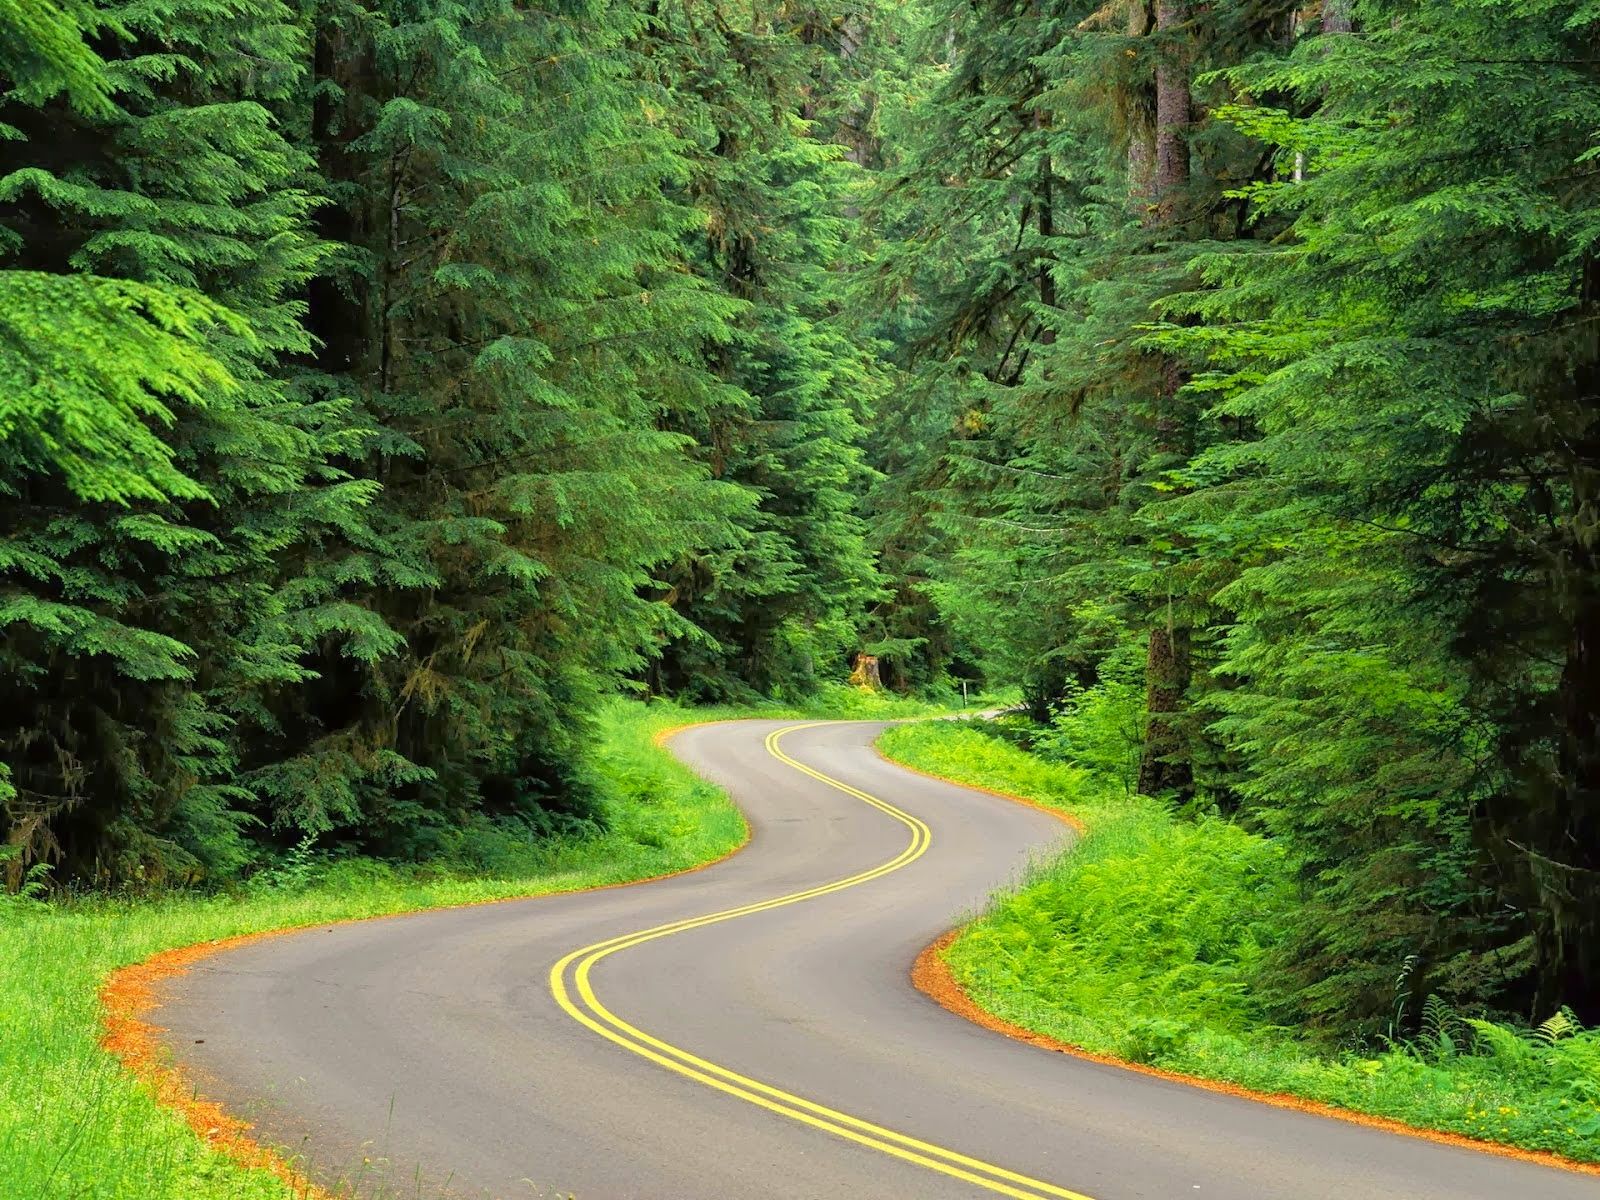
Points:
[[387, 385]]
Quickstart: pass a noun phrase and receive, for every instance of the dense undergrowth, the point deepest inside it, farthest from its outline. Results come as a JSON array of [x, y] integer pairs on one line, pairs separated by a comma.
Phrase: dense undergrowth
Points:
[[1147, 941], [74, 1124]]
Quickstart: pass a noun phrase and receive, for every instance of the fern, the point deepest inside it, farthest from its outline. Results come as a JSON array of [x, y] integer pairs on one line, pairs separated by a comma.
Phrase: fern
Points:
[[1562, 1025], [1443, 1031]]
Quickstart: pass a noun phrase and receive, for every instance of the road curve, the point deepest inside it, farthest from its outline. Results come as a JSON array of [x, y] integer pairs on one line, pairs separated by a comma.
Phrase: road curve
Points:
[[618, 1044]]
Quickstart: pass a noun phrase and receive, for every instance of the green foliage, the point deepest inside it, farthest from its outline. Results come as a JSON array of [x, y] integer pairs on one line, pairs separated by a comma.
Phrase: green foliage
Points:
[[1154, 940], [1266, 351], [515, 323], [776, 607], [1164, 925], [383, 391], [158, 480], [1157, 925], [968, 753], [1410, 523], [43, 54], [1102, 728], [92, 369]]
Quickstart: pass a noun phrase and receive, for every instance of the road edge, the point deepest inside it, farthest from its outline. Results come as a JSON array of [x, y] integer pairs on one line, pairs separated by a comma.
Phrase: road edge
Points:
[[931, 975], [127, 997]]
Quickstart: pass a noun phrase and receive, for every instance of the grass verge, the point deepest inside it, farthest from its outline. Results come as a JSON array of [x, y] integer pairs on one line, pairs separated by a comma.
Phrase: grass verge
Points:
[[74, 1123], [1143, 943]]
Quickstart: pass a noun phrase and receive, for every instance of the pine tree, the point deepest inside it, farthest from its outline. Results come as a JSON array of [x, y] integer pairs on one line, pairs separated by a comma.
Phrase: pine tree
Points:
[[959, 219], [783, 603], [511, 314], [1416, 660], [1041, 216], [154, 235]]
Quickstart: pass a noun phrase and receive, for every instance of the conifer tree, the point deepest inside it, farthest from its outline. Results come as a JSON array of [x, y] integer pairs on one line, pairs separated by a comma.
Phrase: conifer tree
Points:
[[783, 603], [511, 314], [155, 232], [958, 222], [1048, 163], [1415, 659]]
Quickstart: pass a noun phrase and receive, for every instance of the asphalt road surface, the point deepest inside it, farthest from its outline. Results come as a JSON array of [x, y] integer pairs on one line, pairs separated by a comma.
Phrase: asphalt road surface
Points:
[[617, 1044]]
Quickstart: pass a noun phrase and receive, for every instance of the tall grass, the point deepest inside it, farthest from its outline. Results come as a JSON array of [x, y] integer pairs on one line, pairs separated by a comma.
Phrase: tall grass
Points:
[[1145, 941]]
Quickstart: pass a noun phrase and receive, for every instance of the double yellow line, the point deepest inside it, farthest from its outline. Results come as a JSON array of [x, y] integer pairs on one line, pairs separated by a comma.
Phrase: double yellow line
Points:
[[579, 1001]]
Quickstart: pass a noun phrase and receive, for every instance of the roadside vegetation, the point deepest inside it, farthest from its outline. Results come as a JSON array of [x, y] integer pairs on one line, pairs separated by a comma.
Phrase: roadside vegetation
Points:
[[1150, 940], [74, 1124]]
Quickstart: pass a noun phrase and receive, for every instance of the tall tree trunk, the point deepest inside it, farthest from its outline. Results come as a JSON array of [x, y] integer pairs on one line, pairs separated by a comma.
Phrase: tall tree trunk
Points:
[[1141, 150], [1141, 181], [339, 311], [339, 306], [1165, 764], [1567, 921], [1047, 229], [1045, 204], [1173, 104]]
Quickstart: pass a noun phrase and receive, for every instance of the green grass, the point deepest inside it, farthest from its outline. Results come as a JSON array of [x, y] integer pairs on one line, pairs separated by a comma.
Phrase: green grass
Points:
[[74, 1124], [838, 701], [1145, 941]]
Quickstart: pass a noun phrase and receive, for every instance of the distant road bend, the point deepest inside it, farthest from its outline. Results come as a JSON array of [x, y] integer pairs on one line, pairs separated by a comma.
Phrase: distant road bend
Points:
[[747, 1032]]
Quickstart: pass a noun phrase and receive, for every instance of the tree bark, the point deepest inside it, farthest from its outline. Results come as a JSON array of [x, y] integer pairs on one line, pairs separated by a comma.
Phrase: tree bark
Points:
[[1141, 178], [339, 308], [1164, 765], [1141, 151], [867, 673], [1567, 937], [1045, 204], [1563, 848], [1173, 109], [1047, 229]]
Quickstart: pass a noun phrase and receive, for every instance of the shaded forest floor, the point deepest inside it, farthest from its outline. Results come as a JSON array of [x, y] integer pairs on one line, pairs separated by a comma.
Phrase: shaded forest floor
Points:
[[1142, 941]]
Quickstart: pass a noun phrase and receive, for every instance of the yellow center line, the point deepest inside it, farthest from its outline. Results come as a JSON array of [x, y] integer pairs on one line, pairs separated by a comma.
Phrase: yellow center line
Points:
[[588, 1011]]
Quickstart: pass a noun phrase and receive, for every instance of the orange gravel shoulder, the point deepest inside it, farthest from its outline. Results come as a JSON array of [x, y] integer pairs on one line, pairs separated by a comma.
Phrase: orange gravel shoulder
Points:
[[126, 1000]]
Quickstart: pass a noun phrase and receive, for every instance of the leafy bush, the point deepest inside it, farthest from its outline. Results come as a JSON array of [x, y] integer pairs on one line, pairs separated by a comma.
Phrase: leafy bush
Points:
[[295, 870], [1100, 729]]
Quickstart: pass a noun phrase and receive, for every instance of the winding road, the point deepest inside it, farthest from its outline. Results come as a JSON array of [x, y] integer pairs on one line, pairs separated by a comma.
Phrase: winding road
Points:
[[746, 1032]]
